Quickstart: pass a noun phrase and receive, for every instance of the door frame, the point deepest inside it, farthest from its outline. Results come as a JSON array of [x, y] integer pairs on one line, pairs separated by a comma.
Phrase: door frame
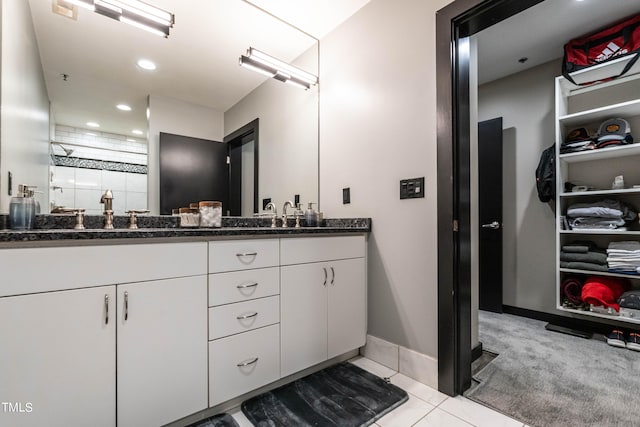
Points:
[[238, 138], [454, 23]]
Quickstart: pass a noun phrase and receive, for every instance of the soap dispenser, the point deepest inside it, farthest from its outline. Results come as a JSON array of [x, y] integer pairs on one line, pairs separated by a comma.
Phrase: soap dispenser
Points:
[[310, 216], [22, 209]]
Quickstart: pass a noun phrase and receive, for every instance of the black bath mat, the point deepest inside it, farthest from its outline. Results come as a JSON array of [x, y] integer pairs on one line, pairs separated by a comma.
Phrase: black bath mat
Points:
[[219, 420], [342, 395]]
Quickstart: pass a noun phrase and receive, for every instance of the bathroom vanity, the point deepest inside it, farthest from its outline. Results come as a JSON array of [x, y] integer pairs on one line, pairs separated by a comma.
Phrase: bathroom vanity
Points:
[[142, 331]]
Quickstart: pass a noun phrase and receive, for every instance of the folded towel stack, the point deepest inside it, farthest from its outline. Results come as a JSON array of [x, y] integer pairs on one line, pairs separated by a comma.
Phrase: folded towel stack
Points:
[[604, 214], [583, 256], [624, 257]]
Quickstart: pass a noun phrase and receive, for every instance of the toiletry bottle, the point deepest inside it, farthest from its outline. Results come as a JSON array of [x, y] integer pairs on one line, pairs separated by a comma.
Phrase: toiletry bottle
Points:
[[22, 209], [310, 216]]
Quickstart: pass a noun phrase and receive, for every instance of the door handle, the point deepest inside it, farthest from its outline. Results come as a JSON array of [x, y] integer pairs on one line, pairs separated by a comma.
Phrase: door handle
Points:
[[494, 225]]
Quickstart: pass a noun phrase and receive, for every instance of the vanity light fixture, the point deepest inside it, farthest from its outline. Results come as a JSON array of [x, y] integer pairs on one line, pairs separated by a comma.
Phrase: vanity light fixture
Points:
[[265, 64], [132, 12]]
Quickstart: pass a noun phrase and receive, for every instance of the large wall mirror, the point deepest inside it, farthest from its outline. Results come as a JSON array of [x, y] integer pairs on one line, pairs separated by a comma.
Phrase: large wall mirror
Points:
[[65, 69]]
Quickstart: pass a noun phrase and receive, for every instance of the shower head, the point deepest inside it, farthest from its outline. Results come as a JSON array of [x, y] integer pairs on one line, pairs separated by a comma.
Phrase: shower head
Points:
[[67, 151]]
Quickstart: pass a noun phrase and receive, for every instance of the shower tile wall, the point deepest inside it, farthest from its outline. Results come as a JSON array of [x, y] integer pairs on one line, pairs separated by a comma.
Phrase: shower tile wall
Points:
[[82, 188]]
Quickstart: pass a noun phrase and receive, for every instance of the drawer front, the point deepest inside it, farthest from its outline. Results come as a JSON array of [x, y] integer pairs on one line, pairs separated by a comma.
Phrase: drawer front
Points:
[[314, 249], [243, 254], [258, 354], [236, 286], [244, 316]]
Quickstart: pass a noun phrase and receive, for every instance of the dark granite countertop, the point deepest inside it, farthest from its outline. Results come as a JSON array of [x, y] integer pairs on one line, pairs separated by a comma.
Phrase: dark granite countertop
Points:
[[59, 228]]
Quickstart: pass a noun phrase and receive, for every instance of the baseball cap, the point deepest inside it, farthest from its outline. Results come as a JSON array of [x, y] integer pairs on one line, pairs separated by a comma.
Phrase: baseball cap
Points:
[[577, 135], [614, 130]]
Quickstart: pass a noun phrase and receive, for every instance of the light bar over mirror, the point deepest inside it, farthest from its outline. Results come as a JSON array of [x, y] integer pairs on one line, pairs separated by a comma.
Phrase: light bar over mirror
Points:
[[265, 64], [132, 12]]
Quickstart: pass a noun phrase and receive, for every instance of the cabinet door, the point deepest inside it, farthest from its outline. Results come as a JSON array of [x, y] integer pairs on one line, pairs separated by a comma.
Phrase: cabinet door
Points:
[[347, 315], [57, 359], [303, 316], [162, 350]]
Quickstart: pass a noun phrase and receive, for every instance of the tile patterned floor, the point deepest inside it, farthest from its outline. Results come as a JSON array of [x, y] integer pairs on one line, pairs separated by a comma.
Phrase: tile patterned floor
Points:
[[426, 407]]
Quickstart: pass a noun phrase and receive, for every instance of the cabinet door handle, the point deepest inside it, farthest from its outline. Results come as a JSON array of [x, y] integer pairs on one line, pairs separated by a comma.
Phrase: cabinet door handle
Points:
[[126, 305], [247, 363], [247, 316], [325, 276], [247, 285], [106, 309], [333, 275], [246, 254]]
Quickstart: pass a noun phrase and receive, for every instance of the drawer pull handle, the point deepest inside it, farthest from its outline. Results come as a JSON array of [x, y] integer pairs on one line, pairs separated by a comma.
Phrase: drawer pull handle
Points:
[[106, 309], [247, 363], [126, 305], [246, 254], [247, 285], [247, 316]]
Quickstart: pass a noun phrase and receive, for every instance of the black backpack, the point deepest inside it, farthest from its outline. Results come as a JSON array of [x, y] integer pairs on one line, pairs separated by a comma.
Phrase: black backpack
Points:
[[546, 175]]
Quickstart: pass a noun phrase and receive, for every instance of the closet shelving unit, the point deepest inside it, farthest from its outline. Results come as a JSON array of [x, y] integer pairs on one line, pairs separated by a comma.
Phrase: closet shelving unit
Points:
[[588, 106]]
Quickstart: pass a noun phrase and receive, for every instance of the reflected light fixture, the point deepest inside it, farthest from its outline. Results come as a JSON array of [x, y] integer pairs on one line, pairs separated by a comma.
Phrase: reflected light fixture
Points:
[[269, 66], [132, 12]]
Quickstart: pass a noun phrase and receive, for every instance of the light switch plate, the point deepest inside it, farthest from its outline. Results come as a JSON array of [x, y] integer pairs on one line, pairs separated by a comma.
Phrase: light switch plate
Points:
[[412, 188]]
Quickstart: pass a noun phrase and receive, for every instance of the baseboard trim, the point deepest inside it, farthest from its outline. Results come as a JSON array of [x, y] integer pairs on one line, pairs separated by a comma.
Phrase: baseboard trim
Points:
[[567, 322], [476, 352]]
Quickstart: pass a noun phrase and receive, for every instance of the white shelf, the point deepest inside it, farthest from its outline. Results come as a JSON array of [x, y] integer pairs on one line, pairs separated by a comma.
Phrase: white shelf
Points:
[[570, 89], [603, 71], [603, 232], [599, 273], [623, 109], [600, 315], [602, 192], [602, 154]]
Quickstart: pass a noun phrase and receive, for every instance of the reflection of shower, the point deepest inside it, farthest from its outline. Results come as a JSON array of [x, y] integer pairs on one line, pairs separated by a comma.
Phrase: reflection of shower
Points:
[[67, 151]]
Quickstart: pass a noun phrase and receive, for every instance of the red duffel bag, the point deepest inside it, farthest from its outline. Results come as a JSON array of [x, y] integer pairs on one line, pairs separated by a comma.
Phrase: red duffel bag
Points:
[[619, 43]]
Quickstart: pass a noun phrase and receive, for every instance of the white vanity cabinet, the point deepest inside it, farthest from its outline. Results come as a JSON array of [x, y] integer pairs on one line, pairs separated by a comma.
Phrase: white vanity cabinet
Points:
[[162, 350], [323, 299], [244, 316], [64, 351], [57, 358]]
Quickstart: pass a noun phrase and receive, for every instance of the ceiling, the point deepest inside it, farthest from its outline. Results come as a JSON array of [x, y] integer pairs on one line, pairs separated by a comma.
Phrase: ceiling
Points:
[[540, 32], [197, 63]]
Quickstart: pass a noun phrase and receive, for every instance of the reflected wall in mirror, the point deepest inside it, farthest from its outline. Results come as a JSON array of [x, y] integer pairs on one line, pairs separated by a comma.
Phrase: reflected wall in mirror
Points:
[[59, 73]]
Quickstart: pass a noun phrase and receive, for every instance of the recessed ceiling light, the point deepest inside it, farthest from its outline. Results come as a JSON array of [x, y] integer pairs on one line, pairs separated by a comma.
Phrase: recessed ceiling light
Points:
[[93, 125], [137, 132], [131, 140], [145, 64], [123, 107]]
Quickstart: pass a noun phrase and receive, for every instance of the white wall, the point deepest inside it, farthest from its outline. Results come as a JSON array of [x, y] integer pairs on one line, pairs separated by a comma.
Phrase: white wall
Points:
[[24, 122], [180, 118], [288, 131], [378, 126], [526, 103]]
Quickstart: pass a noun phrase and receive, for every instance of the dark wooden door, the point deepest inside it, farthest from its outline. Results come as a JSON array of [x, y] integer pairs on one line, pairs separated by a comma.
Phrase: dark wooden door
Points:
[[192, 170], [490, 214]]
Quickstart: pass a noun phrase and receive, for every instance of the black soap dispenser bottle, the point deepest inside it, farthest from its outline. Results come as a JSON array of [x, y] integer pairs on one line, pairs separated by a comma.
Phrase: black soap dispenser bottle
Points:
[[310, 216], [22, 209]]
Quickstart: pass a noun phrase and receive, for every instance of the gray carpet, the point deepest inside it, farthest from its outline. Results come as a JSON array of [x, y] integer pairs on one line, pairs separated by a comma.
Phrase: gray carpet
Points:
[[545, 378]]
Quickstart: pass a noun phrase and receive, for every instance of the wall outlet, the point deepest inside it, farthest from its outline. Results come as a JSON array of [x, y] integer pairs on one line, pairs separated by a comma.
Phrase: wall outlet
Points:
[[265, 202], [412, 188], [346, 196]]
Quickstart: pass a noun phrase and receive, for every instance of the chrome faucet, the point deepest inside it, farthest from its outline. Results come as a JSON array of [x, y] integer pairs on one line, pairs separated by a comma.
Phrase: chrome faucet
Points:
[[107, 200], [273, 208], [284, 213]]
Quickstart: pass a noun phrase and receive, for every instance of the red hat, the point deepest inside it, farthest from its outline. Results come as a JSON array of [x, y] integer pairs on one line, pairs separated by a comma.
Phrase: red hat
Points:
[[604, 291]]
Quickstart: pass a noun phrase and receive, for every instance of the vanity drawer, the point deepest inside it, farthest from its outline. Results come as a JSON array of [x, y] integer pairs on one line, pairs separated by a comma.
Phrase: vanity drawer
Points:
[[244, 316], [243, 362], [243, 254], [235, 286], [315, 249]]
